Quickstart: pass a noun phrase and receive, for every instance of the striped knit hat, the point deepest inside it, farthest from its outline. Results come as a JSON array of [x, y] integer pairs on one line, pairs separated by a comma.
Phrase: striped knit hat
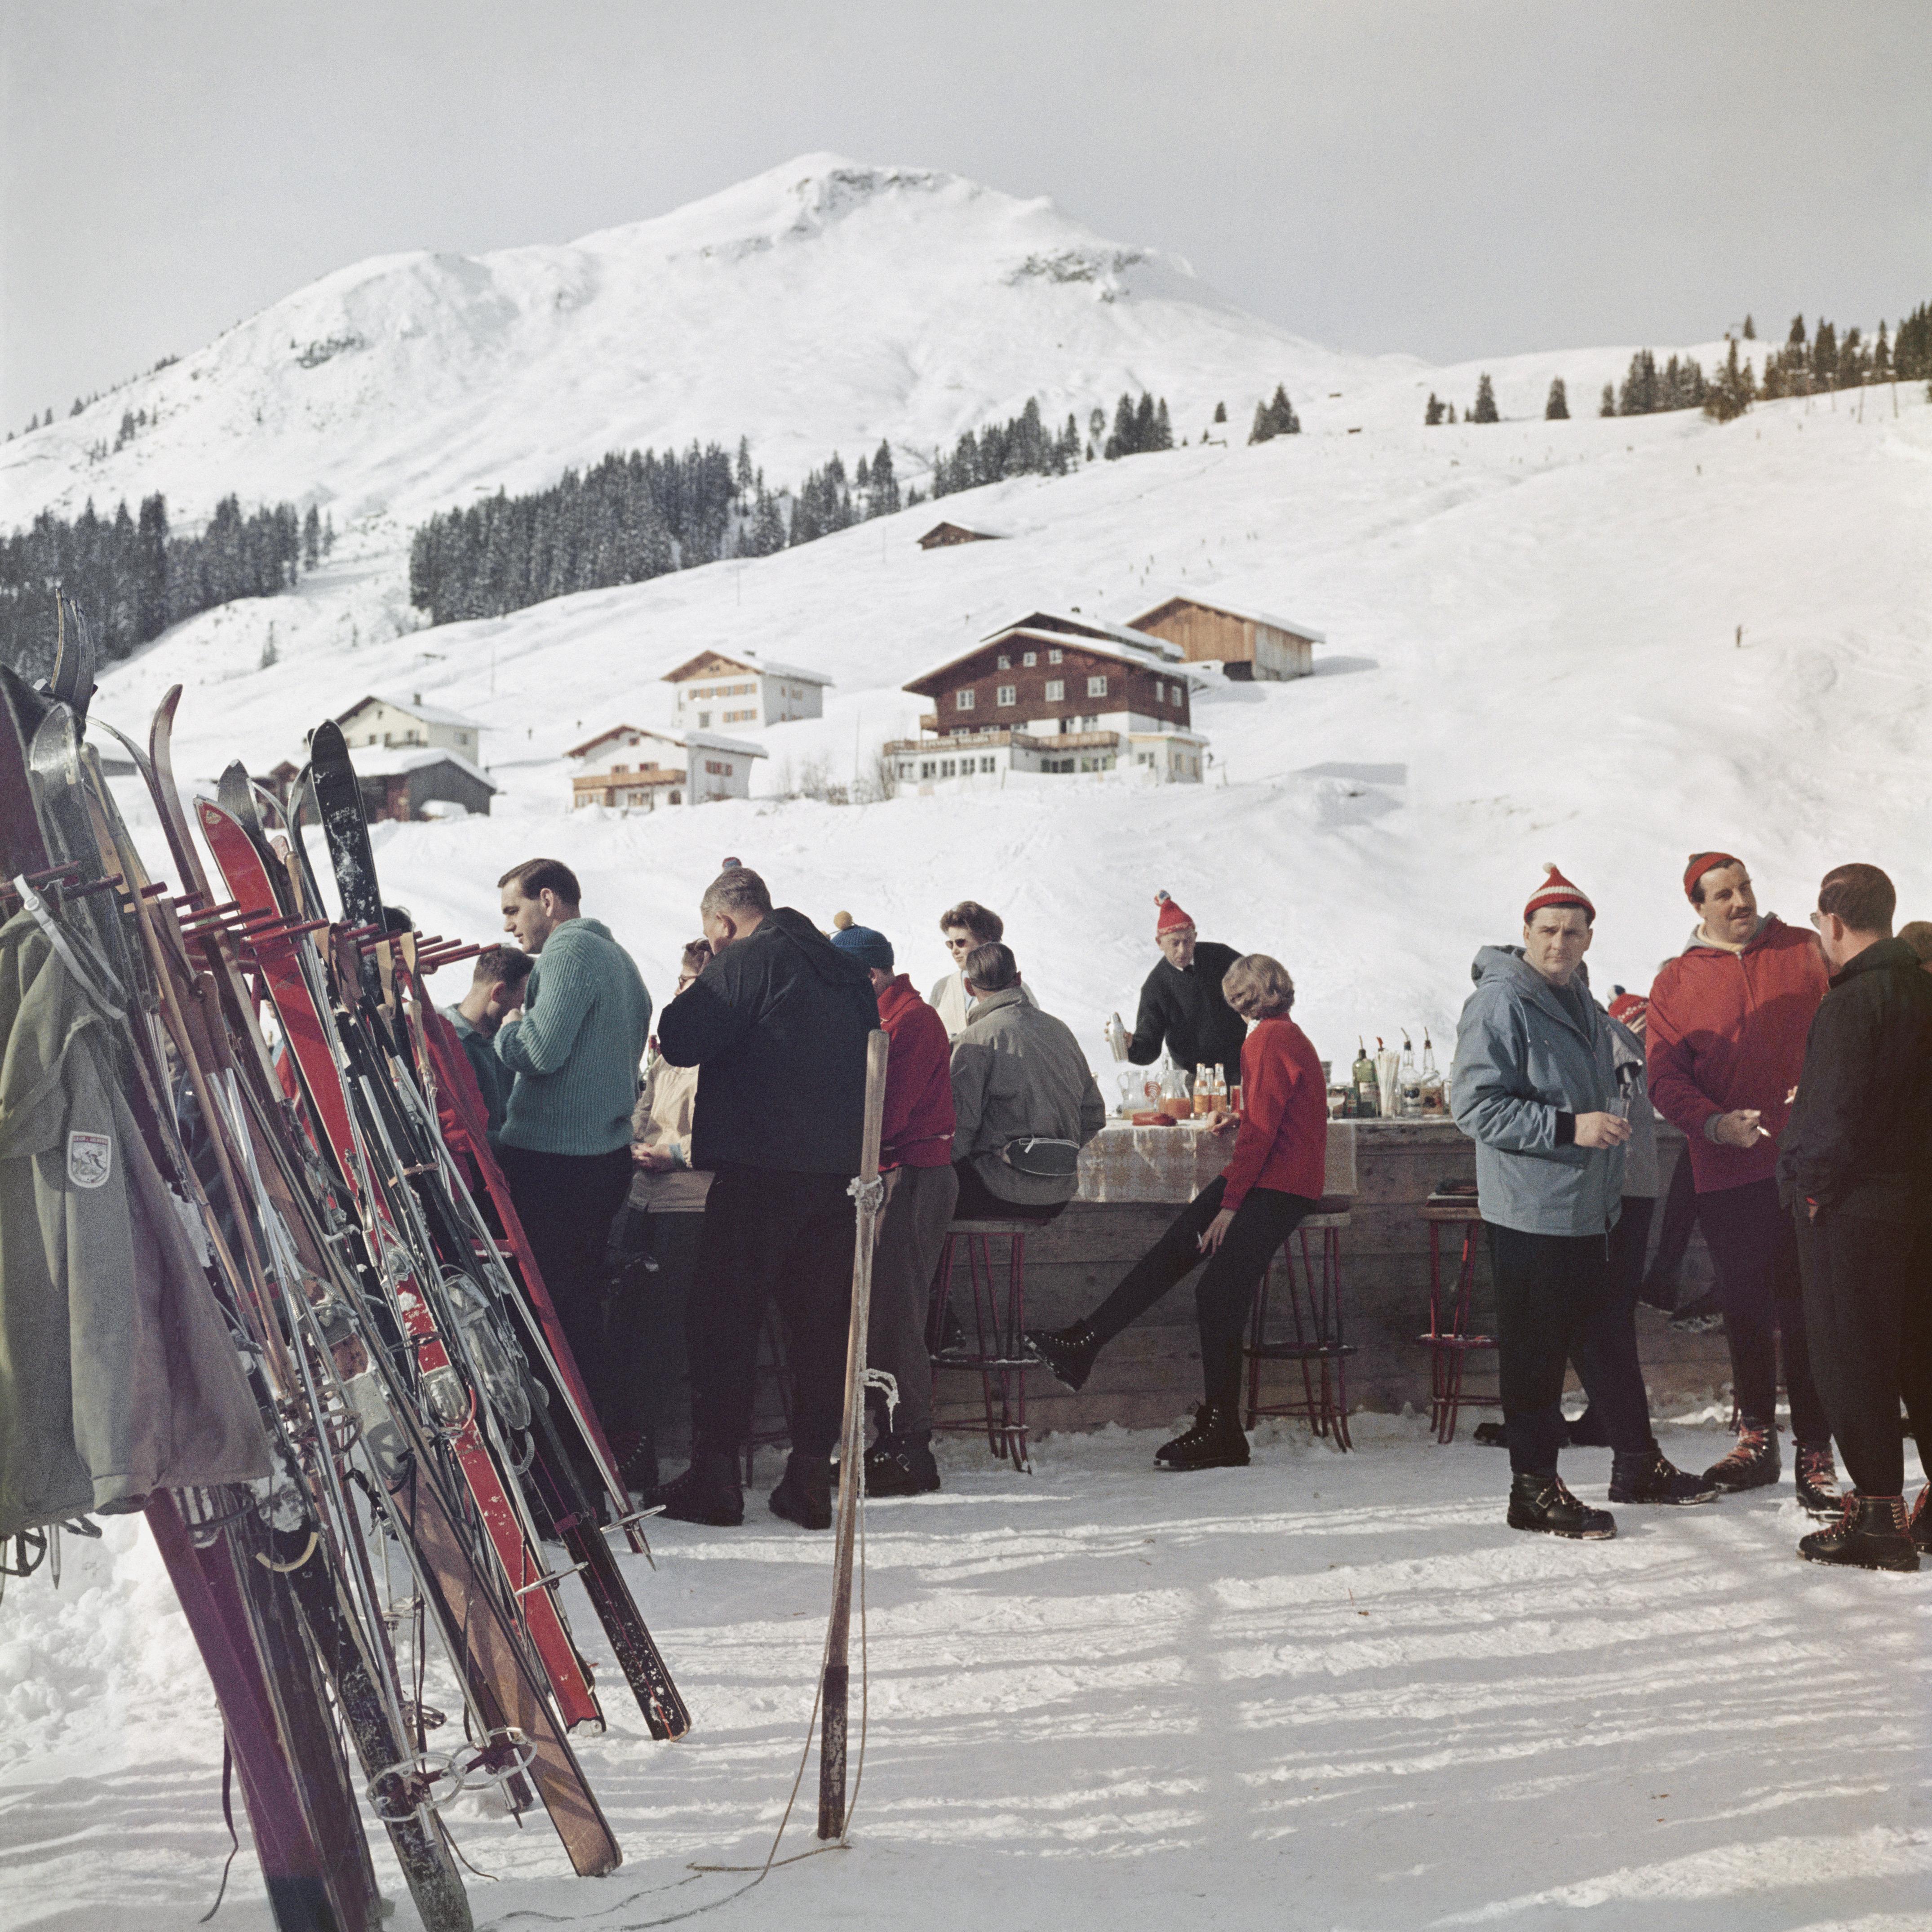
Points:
[[1556, 890]]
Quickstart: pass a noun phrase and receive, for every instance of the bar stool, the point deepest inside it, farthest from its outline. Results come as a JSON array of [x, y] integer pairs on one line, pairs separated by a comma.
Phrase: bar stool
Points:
[[1449, 1341], [771, 1368], [996, 1348], [1314, 1293]]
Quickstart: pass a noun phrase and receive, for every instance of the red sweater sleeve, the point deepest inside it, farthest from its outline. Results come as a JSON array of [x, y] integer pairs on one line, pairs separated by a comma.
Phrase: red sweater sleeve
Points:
[[1673, 1088], [1268, 1075]]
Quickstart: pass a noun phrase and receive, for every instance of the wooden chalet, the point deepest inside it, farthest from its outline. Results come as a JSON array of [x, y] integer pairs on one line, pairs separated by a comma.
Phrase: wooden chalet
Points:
[[1247, 643], [944, 535], [717, 689]]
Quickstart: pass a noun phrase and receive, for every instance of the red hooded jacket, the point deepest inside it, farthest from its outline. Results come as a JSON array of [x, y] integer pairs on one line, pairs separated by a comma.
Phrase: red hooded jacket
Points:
[[1727, 1030], [1283, 1140], [919, 1120]]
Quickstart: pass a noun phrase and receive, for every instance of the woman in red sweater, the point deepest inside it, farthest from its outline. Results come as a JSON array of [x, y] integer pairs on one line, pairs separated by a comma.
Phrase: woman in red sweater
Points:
[[1235, 1223]]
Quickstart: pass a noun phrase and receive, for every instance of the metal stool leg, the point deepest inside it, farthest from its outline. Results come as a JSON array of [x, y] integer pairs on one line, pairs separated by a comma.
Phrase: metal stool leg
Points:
[[1015, 1425]]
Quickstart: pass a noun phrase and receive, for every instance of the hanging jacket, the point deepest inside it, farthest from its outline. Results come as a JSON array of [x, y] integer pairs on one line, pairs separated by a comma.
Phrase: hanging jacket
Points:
[[777, 1023], [917, 1129], [1725, 1030], [1528, 1060], [118, 1373], [1859, 1141]]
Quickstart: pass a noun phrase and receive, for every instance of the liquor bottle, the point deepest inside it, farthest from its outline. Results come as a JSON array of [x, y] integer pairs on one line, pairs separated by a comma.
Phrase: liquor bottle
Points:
[[1435, 1095], [1204, 1090], [1408, 1082], [1363, 1076]]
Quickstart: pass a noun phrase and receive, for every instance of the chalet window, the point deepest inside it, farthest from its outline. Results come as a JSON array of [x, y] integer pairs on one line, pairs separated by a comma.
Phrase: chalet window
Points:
[[1055, 657], [964, 700], [1097, 687], [1006, 694], [1006, 662], [1056, 690], [946, 768], [1173, 697], [925, 769], [1029, 659], [1159, 692]]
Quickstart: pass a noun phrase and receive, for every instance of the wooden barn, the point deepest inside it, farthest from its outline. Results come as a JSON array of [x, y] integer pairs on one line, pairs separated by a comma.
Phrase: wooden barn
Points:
[[421, 781], [944, 535], [1247, 643]]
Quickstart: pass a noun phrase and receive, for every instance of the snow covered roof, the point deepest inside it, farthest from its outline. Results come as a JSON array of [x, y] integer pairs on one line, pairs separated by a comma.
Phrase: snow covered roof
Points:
[[1247, 612], [590, 744], [743, 661], [1071, 624], [424, 714], [971, 533], [1168, 663], [710, 741], [373, 762]]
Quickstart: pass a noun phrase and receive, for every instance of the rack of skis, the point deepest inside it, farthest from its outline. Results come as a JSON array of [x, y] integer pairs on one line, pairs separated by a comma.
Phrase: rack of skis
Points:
[[350, 1413]]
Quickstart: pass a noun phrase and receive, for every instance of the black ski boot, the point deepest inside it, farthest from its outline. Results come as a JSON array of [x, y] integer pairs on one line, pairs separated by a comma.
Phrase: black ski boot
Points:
[[1753, 1463], [804, 1493], [1872, 1534], [1648, 1476], [902, 1465], [707, 1492], [1921, 1522], [1539, 1501], [1215, 1441], [1818, 1482], [1068, 1352]]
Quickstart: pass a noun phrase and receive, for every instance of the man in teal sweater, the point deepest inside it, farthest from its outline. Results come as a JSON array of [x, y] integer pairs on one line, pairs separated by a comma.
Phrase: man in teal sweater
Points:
[[573, 1049]]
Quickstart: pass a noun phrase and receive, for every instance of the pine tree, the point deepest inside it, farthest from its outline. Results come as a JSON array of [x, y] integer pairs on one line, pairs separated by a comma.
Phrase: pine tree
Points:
[[1220, 412], [1881, 362], [1449, 414], [1750, 329], [1796, 339], [1824, 355], [1557, 408], [1608, 407], [1485, 410], [311, 538], [270, 656], [1432, 415]]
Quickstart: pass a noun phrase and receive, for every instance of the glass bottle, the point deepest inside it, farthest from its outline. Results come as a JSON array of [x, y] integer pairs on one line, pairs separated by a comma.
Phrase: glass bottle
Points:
[[1204, 1090], [1408, 1080], [1362, 1075], [1434, 1094]]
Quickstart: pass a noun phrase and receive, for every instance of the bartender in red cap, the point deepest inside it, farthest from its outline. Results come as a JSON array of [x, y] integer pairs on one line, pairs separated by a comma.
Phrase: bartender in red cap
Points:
[[1181, 1006], [1725, 1035]]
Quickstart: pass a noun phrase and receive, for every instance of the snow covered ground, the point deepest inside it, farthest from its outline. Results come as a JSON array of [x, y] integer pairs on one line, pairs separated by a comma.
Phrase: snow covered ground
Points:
[[1327, 1692]]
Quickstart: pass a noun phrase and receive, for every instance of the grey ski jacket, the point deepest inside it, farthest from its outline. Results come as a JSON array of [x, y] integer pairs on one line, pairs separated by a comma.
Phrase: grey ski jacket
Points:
[[117, 1375], [1525, 1066]]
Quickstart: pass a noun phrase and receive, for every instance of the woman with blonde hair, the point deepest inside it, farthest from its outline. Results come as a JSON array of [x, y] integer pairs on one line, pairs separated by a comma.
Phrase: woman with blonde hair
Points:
[[1235, 1223]]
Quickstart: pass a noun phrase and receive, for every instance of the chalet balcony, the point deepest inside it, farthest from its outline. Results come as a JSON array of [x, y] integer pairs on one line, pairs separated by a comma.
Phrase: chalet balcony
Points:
[[1030, 741]]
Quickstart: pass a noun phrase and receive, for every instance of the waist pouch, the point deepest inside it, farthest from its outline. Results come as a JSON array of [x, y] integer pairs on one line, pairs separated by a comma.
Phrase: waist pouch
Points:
[[1042, 1158]]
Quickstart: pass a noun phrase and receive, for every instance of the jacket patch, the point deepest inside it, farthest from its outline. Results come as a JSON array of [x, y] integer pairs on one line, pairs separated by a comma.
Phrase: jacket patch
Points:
[[89, 1158]]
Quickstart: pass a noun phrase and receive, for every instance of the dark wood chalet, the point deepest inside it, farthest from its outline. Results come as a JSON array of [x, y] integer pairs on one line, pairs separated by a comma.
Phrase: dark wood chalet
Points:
[[943, 535], [1048, 680]]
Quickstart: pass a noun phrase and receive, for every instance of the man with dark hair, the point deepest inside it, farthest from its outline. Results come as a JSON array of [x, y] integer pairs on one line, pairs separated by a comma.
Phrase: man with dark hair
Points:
[[574, 1048], [1023, 1097], [496, 989], [1535, 1086], [964, 926], [1725, 1041], [915, 1155], [1854, 1172], [777, 1025], [1181, 1006]]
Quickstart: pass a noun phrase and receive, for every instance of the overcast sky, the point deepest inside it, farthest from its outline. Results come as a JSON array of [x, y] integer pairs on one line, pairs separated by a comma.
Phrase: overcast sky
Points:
[[1458, 179]]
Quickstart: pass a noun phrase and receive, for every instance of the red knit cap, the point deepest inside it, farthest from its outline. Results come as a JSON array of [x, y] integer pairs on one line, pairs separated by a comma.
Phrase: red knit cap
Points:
[[1171, 916], [1702, 862], [1556, 890], [1626, 1006]]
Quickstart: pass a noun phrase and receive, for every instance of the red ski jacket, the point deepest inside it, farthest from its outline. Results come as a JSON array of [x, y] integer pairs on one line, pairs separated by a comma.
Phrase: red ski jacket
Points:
[[1283, 1141], [1727, 1030], [919, 1122]]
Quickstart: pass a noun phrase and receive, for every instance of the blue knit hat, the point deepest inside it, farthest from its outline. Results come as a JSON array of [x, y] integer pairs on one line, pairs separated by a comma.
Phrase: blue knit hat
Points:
[[868, 947]]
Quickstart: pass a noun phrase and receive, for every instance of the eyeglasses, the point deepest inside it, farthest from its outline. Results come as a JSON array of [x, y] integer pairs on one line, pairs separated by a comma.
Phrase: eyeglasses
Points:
[[1818, 920]]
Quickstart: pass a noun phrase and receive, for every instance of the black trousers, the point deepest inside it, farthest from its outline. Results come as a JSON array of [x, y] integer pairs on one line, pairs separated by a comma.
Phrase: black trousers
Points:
[[1226, 1291], [1625, 1261], [770, 1233], [1556, 1302], [644, 1317], [978, 1202], [1673, 1241], [1755, 1248], [1868, 1310], [567, 1203]]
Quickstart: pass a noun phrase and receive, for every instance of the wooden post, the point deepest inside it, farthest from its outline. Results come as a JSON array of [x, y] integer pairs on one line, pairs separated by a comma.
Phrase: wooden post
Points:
[[870, 1193]]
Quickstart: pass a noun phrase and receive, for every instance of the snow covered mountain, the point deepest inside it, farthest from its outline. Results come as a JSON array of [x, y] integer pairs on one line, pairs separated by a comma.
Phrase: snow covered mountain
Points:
[[1533, 628]]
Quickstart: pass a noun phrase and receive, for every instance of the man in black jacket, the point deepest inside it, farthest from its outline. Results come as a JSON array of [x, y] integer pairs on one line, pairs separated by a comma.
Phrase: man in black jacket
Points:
[[777, 1024], [1854, 1167], [1181, 1002]]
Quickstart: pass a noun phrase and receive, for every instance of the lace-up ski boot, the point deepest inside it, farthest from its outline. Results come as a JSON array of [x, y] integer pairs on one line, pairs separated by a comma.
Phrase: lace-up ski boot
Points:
[[1871, 1533], [1068, 1352], [804, 1493], [1215, 1441], [707, 1492], [1921, 1522], [1818, 1481], [1753, 1463], [1648, 1476], [1538, 1500], [902, 1465]]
